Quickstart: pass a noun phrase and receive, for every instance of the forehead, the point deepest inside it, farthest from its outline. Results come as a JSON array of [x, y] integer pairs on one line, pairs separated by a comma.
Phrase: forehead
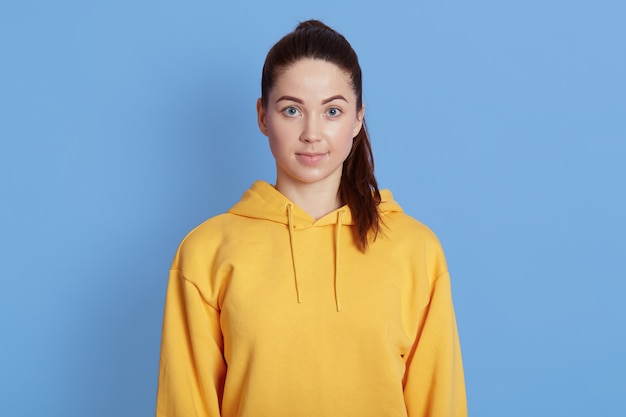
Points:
[[310, 76]]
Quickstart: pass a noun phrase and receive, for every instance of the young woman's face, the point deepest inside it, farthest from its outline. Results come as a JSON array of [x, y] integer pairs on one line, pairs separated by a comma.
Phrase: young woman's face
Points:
[[310, 119]]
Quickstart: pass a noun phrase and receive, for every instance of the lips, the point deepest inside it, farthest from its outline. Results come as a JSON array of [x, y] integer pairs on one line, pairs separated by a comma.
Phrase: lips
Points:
[[310, 158]]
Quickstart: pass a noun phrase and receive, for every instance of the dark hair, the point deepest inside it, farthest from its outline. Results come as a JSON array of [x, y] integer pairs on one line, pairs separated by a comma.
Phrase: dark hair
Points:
[[358, 188]]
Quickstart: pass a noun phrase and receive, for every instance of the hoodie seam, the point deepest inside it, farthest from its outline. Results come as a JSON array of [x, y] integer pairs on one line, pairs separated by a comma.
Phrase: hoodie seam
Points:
[[185, 280], [438, 277]]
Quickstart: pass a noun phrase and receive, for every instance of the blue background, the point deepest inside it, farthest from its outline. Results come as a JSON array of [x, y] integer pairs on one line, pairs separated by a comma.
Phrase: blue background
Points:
[[501, 125]]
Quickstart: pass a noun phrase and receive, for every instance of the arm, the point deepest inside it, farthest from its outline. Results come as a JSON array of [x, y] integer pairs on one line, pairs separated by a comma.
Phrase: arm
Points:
[[192, 367], [434, 381]]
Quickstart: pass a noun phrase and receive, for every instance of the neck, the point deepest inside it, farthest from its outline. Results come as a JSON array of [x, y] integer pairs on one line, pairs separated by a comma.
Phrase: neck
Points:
[[316, 200]]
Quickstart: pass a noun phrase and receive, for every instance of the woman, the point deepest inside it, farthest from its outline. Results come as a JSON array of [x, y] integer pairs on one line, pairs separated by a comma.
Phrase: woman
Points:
[[316, 296]]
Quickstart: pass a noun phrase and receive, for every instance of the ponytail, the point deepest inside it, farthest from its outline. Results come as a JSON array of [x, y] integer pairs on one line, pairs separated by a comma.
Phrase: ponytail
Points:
[[359, 190]]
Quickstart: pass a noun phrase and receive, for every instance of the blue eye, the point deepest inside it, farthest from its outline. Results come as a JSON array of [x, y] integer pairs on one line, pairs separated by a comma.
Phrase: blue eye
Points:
[[333, 112], [291, 111]]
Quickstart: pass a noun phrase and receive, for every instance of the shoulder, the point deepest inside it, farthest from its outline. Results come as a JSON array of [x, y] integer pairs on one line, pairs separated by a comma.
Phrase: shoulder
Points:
[[406, 239], [400, 224], [403, 226], [210, 231], [203, 241]]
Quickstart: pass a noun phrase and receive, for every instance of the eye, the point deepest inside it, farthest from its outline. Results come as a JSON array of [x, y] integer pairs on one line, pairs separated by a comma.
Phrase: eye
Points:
[[333, 112], [291, 111]]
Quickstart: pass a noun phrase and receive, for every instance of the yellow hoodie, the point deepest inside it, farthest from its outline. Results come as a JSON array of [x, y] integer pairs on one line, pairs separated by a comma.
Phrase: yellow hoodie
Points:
[[270, 312]]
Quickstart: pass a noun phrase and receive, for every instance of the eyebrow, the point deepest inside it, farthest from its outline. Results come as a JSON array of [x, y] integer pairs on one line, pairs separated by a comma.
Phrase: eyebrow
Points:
[[325, 101]]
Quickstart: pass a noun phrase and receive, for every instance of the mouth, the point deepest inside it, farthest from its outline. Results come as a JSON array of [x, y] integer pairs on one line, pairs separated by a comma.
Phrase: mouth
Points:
[[310, 158]]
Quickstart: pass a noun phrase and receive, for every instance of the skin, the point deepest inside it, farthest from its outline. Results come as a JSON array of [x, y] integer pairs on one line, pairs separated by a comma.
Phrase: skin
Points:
[[310, 121]]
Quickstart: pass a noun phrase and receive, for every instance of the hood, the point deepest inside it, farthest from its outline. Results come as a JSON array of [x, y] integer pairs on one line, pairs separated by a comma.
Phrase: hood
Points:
[[263, 201]]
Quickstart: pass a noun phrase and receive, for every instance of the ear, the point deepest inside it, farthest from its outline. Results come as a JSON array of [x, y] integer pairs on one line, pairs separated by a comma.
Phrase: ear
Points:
[[261, 113], [359, 122]]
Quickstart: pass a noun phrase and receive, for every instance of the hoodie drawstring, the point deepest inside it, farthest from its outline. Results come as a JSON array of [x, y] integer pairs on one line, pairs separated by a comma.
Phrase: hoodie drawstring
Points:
[[292, 242], [293, 249], [337, 246]]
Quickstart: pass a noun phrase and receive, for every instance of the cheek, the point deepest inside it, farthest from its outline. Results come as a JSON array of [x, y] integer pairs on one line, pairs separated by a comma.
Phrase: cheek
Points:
[[349, 148], [279, 142], [279, 129], [346, 146], [275, 145], [346, 137]]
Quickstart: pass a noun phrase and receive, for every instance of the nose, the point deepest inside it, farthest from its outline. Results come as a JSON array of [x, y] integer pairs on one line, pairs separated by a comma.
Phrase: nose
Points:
[[310, 130]]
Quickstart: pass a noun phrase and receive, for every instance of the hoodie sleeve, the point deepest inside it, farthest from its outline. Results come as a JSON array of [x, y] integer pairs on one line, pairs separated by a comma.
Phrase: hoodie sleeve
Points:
[[434, 380], [192, 367]]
